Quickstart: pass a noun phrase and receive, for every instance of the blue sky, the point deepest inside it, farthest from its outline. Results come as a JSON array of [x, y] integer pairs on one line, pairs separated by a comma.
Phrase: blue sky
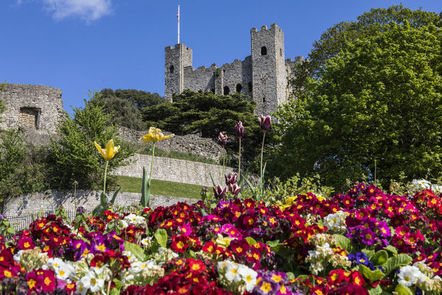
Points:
[[82, 45]]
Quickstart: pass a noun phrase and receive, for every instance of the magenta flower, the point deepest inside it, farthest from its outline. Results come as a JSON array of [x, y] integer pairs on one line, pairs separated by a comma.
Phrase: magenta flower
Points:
[[239, 130], [265, 122]]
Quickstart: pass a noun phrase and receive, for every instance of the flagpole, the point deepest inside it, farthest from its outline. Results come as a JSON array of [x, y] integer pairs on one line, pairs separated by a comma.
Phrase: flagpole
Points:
[[178, 19]]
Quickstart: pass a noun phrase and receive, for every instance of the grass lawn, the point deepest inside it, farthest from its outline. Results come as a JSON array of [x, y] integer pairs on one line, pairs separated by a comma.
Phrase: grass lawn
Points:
[[160, 187]]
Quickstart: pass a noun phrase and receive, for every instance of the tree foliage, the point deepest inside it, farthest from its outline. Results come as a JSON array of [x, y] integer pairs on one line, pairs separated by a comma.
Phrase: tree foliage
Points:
[[208, 114], [377, 102], [126, 105], [22, 169], [337, 37], [74, 156]]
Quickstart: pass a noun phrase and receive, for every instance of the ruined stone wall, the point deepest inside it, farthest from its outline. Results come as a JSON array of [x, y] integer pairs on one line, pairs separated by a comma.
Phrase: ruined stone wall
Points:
[[32, 107], [174, 170], [201, 79], [191, 143], [32, 204]]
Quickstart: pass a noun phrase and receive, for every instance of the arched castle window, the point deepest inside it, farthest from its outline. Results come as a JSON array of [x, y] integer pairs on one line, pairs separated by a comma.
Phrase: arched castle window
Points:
[[29, 117], [263, 100], [263, 50], [238, 87], [171, 69], [226, 90]]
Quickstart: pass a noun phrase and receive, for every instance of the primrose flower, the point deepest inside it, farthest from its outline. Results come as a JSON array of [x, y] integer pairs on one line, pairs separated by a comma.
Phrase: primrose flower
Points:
[[155, 135], [109, 152], [409, 275]]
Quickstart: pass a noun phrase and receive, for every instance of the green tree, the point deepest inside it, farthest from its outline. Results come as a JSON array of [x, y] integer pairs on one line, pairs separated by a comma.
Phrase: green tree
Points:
[[208, 114], [126, 105], [377, 102], [74, 156], [337, 37]]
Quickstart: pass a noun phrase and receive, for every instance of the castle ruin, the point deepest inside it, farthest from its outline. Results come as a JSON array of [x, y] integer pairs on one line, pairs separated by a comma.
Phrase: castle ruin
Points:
[[31, 107], [262, 76]]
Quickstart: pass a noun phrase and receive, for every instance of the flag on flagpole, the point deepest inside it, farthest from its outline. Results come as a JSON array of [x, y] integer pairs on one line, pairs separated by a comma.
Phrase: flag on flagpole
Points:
[[178, 22]]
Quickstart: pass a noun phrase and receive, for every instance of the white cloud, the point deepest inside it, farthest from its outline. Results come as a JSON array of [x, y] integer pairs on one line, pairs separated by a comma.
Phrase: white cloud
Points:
[[88, 10]]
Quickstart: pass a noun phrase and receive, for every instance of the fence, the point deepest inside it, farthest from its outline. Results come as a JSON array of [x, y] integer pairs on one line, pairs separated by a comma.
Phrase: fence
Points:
[[22, 222]]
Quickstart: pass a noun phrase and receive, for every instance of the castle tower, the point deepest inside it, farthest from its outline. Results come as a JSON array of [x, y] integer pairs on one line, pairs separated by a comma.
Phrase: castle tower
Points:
[[176, 59], [269, 72]]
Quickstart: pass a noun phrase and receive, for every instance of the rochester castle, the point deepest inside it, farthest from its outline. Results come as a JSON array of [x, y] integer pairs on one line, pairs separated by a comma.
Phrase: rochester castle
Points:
[[263, 76]]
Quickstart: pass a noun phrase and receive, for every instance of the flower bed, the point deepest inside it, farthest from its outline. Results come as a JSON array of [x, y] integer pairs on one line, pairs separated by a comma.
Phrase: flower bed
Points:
[[362, 242]]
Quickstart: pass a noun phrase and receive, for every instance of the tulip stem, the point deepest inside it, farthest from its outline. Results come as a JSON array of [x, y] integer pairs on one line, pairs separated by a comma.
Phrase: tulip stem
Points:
[[105, 174], [151, 165], [239, 160], [262, 156]]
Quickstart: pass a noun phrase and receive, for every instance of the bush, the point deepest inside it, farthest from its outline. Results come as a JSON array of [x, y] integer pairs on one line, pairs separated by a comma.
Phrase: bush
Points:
[[22, 169], [74, 157]]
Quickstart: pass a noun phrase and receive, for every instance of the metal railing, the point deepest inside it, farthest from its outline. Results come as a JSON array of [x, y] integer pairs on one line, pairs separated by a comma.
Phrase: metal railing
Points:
[[22, 222]]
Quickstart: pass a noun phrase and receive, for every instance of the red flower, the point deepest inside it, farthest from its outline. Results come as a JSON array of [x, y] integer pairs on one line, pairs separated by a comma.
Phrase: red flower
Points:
[[25, 243]]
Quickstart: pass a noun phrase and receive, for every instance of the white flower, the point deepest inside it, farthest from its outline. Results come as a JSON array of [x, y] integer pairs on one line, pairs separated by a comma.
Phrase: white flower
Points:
[[232, 273], [91, 282], [146, 241], [409, 275], [248, 275]]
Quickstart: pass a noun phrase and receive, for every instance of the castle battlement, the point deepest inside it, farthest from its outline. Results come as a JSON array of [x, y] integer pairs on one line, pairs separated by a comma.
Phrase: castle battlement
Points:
[[263, 75]]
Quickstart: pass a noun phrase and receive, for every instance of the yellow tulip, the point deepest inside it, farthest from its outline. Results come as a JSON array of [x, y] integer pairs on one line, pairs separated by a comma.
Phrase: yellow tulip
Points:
[[155, 135], [109, 152]]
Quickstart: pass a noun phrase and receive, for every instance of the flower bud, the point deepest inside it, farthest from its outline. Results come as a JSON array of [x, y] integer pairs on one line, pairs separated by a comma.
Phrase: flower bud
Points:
[[222, 139], [219, 192], [239, 130], [231, 178], [265, 122], [234, 189]]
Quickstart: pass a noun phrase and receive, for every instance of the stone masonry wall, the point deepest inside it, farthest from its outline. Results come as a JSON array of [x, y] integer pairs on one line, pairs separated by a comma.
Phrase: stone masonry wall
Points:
[[174, 170], [48, 201], [31, 107], [191, 143]]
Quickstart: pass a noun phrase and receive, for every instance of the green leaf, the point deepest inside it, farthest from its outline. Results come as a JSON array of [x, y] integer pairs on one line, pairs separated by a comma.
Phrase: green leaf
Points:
[[403, 290], [380, 257], [369, 253], [161, 237], [275, 245], [391, 249], [251, 241], [116, 289], [372, 275], [375, 291], [136, 250], [396, 262], [342, 242], [145, 190], [115, 196]]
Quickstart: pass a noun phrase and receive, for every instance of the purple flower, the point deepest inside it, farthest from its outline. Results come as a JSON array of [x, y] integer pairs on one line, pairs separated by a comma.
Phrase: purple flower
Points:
[[368, 237], [234, 189], [265, 122], [231, 178], [239, 130], [222, 139], [219, 192]]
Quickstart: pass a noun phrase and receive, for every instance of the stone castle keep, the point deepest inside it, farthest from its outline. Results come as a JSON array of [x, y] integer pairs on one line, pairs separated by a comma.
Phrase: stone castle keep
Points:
[[262, 76]]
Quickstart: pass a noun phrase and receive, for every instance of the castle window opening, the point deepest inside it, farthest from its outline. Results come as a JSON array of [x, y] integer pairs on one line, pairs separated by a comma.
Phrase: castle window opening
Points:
[[226, 90], [213, 90], [29, 117], [250, 87], [171, 69], [263, 100], [280, 51], [263, 50], [238, 88]]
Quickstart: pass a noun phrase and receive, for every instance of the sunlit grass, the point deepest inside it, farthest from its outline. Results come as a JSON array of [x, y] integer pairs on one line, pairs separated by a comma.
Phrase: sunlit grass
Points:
[[160, 187]]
